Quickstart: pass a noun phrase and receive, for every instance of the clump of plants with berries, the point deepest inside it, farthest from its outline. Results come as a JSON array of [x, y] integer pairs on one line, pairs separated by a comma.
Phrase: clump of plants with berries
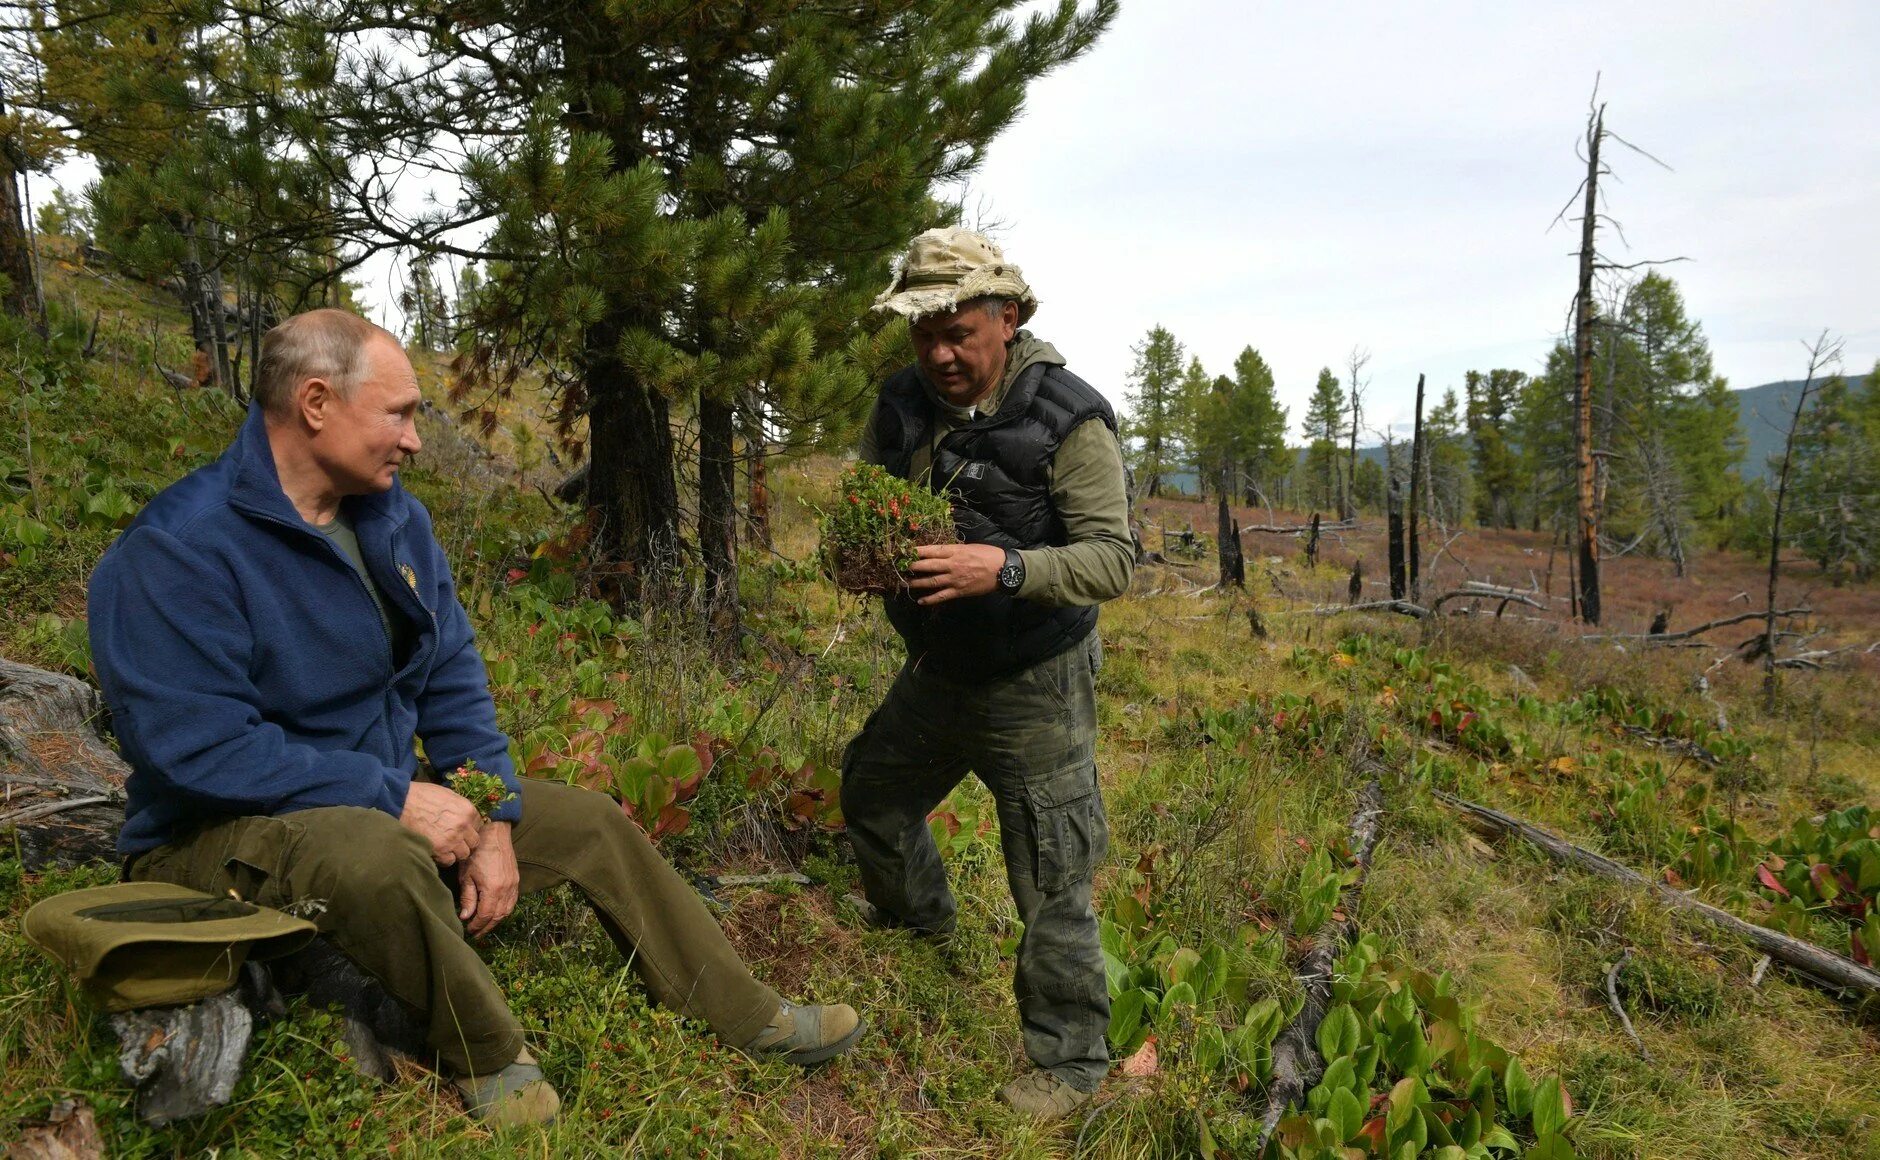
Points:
[[873, 532], [483, 790]]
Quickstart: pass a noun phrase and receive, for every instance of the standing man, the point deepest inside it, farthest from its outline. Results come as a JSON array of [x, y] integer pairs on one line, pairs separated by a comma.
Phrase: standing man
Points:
[[1002, 650], [273, 633]]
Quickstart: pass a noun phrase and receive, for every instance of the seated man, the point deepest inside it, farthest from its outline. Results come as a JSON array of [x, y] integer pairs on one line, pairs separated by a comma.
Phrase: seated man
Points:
[[271, 634]]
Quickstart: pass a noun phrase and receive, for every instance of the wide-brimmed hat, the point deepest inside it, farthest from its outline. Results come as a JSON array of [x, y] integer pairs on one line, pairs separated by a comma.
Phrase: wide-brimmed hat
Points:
[[943, 268], [151, 944]]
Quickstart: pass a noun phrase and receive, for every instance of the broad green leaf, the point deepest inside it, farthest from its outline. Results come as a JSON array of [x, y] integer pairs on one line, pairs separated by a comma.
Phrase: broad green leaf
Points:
[[1338, 1032], [1345, 1111], [1500, 1139], [1550, 1107], [1404, 1098], [1549, 1146], [1180, 967], [1126, 1019], [1180, 995], [1519, 1090]]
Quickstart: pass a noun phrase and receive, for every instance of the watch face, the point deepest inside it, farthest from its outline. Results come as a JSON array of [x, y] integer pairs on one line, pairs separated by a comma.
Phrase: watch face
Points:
[[1011, 576]]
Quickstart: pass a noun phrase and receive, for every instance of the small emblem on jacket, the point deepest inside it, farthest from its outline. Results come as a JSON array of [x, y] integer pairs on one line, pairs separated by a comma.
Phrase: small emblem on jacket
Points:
[[411, 577]]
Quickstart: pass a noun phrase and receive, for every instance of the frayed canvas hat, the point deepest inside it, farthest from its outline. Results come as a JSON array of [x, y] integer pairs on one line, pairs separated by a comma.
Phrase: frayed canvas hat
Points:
[[945, 267], [151, 944]]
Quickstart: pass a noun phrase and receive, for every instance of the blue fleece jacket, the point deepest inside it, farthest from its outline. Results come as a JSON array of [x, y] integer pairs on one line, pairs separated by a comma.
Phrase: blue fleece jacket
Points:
[[247, 669]]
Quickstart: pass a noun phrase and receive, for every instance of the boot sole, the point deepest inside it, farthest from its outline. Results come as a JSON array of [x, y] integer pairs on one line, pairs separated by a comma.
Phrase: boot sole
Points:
[[810, 1057]]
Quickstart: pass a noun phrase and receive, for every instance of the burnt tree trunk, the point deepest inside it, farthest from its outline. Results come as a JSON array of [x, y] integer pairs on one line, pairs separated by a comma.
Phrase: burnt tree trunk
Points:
[[1583, 317], [1411, 551], [1227, 536]]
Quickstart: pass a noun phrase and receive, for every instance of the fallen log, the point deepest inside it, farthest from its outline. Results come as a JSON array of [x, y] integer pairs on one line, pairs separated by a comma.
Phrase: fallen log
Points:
[[1300, 529], [1296, 1062], [61, 785], [1688, 633], [1822, 967]]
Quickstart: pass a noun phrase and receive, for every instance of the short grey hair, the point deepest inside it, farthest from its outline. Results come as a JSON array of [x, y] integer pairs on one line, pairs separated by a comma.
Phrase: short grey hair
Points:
[[328, 343], [993, 304]]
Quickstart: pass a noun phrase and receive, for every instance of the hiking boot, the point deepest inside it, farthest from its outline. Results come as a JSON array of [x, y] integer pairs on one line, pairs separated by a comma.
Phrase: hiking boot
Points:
[[807, 1036], [515, 1096], [880, 919], [1042, 1096]]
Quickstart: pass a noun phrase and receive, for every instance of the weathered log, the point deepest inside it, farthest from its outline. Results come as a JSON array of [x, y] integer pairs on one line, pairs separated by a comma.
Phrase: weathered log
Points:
[[185, 1061], [61, 785], [1686, 634], [1822, 967], [1296, 1062]]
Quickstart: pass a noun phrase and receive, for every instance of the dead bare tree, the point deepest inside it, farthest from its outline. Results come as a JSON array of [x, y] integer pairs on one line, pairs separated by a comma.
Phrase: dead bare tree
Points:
[[1822, 353], [1585, 318], [1355, 364]]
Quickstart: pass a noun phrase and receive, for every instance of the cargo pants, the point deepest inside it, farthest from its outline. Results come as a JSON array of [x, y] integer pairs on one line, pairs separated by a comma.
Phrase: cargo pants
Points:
[[1031, 738], [390, 909]]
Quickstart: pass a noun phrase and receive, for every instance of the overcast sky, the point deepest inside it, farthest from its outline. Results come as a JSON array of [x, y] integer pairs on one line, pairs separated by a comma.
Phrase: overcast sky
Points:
[[1306, 178]]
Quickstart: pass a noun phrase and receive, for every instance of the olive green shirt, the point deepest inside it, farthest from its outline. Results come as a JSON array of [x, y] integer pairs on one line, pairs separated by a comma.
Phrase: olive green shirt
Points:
[[1087, 492], [340, 532]]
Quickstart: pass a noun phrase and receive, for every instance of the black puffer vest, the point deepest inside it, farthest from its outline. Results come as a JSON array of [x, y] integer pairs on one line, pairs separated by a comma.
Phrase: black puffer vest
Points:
[[997, 470]]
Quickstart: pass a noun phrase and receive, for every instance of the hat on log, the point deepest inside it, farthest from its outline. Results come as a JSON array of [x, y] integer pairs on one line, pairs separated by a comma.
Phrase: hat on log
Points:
[[152, 944]]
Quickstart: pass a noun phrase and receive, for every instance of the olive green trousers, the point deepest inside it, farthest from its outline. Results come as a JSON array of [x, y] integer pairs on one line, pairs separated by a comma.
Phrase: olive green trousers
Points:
[[1031, 738], [389, 908]]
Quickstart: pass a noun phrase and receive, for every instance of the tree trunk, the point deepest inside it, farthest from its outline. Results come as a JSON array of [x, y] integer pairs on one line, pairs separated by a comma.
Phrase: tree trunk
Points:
[[1416, 491], [1227, 534], [1583, 379], [631, 491], [1398, 575], [756, 455], [16, 251], [718, 521]]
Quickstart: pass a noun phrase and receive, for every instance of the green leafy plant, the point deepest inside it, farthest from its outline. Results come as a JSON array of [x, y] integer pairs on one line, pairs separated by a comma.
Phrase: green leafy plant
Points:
[[1408, 1075], [872, 532]]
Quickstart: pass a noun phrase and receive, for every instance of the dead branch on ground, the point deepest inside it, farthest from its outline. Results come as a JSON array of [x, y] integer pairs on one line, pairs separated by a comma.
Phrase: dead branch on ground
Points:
[[1821, 967], [1296, 1062]]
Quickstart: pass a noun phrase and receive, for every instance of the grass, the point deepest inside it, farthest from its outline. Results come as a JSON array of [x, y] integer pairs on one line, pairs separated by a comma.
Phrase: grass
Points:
[[1226, 764]]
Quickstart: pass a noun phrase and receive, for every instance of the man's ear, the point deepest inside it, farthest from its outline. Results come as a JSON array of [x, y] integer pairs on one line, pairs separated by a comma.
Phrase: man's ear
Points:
[[1008, 319], [314, 401]]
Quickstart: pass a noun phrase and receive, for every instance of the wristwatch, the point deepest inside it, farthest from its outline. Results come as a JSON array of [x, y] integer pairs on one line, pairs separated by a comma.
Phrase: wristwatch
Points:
[[1012, 575]]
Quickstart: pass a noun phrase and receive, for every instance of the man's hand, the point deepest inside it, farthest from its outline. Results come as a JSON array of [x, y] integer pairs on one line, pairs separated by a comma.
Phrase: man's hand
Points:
[[489, 881], [950, 571], [444, 819]]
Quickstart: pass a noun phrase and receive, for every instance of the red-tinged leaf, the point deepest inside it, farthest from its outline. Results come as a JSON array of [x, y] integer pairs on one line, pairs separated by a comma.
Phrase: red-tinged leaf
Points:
[[1857, 949], [1303, 844], [1672, 878], [1377, 1133], [1770, 881], [1823, 879], [517, 575], [1566, 1101], [707, 754], [535, 628], [1338, 915], [1777, 863], [672, 820], [1144, 1062], [547, 759]]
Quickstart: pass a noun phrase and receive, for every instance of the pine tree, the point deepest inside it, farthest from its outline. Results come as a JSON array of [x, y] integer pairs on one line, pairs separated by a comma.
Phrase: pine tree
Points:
[[1201, 447], [1448, 496], [639, 160], [1492, 399], [1258, 426], [1155, 405], [1324, 424], [1834, 500]]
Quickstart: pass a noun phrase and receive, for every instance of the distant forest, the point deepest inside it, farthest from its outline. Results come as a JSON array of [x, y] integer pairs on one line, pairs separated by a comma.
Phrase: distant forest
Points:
[[1684, 463]]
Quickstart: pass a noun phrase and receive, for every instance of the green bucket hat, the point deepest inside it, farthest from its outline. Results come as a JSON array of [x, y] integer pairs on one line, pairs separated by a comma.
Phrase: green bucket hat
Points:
[[151, 944], [943, 268]]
